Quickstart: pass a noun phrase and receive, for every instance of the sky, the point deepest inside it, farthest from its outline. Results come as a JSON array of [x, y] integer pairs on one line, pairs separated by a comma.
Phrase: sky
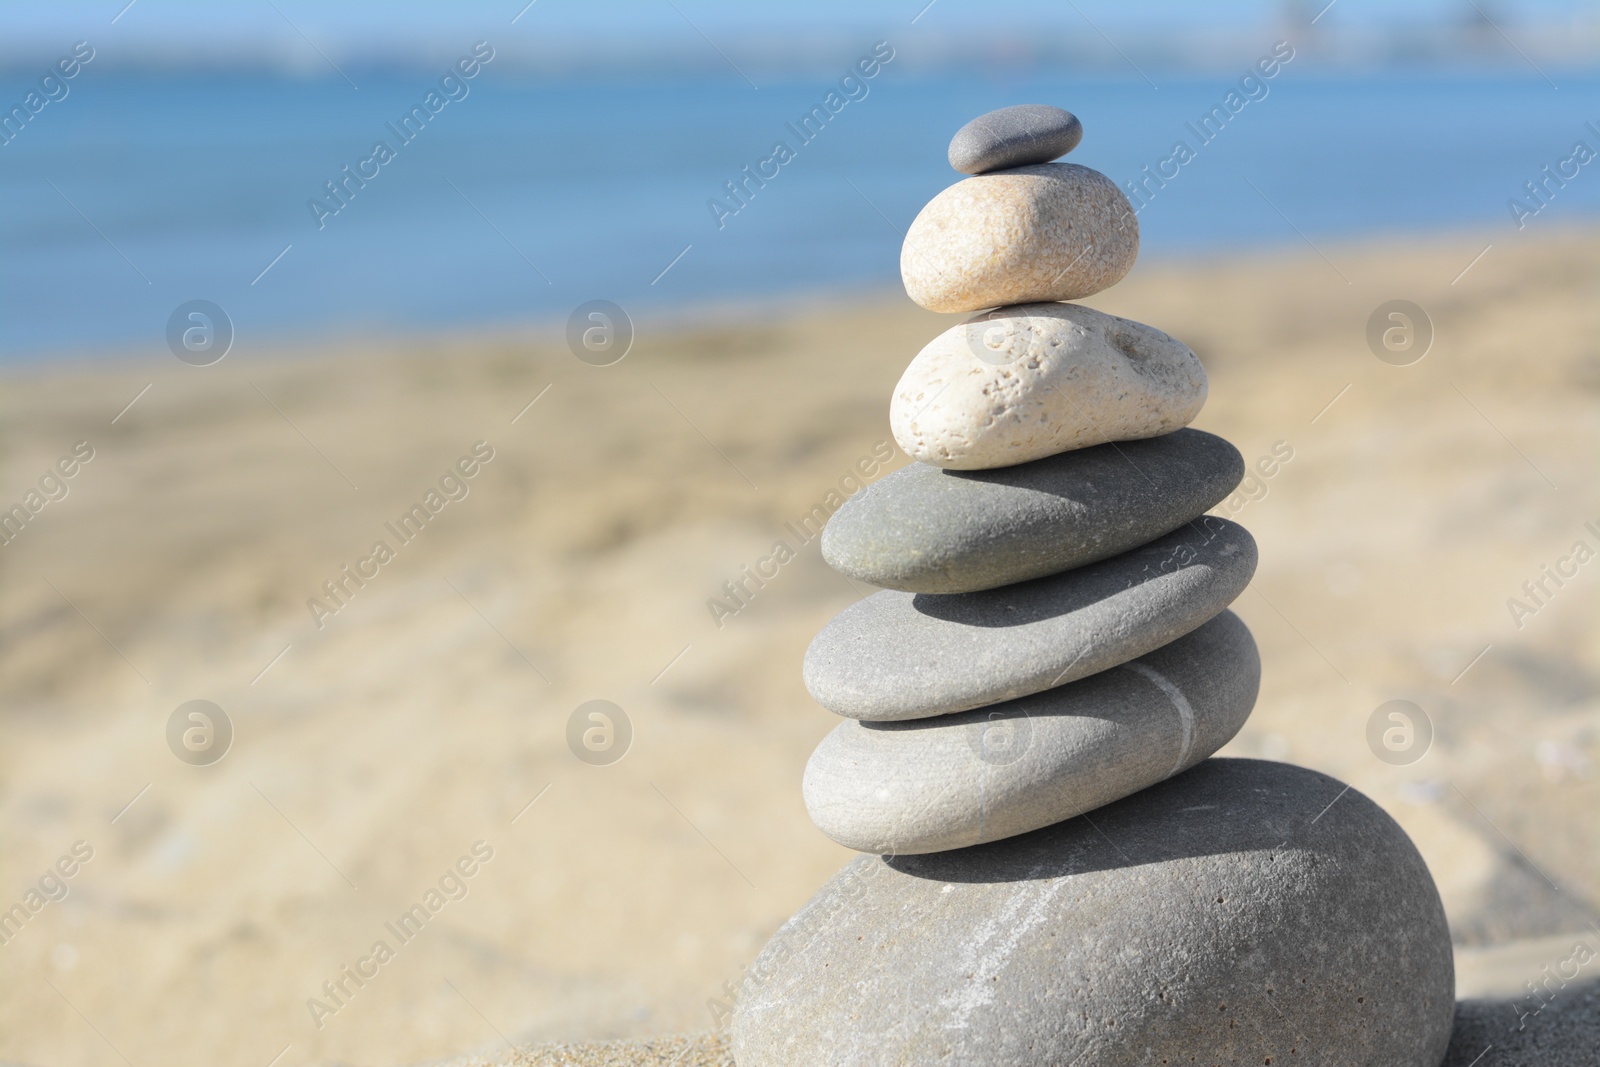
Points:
[[373, 24]]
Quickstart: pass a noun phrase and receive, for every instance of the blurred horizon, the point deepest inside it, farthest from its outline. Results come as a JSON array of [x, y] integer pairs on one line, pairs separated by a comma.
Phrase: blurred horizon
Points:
[[550, 38], [586, 160]]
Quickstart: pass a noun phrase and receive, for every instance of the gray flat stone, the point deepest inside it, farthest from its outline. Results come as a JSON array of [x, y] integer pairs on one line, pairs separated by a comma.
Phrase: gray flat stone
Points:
[[1243, 912], [898, 655], [923, 529], [1014, 137], [956, 780], [1559, 1026]]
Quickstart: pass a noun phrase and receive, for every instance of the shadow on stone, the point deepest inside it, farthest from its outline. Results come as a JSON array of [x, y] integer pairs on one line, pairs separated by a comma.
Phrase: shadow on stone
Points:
[[1206, 542], [1220, 807], [1081, 475], [1562, 1031]]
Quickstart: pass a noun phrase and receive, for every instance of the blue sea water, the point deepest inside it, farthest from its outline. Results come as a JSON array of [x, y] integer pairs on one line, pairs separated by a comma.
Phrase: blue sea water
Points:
[[522, 200]]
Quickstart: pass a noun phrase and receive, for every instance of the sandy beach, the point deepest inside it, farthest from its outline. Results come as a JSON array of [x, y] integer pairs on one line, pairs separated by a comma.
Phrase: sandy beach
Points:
[[417, 724]]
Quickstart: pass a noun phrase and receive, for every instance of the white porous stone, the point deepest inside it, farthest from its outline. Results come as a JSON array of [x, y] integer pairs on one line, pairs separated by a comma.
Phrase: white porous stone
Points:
[[1032, 381]]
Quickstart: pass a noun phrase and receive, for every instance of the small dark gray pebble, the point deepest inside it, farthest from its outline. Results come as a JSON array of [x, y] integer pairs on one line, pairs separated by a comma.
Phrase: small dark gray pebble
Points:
[[924, 529], [1014, 137]]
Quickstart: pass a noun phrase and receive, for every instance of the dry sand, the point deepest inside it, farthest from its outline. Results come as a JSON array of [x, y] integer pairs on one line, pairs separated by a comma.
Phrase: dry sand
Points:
[[427, 714]]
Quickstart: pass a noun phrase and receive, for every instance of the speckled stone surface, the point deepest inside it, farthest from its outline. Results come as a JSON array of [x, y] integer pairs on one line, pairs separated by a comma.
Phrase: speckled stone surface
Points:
[[1486, 1034], [1056, 231], [693, 1050], [1243, 912], [896, 655], [1558, 1028], [928, 530], [1014, 137], [1032, 381], [958, 780]]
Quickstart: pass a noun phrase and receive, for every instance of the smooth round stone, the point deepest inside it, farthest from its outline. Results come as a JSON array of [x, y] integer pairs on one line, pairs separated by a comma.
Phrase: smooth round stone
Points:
[[1014, 137], [1244, 912], [1055, 231], [956, 780], [897, 655], [1027, 382], [927, 530]]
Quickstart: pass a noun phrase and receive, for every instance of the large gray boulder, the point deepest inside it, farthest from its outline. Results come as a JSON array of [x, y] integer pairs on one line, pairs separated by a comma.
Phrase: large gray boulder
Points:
[[1243, 912]]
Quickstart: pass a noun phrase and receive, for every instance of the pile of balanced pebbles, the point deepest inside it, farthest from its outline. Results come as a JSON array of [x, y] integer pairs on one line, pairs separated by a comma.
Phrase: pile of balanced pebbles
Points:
[[1055, 870]]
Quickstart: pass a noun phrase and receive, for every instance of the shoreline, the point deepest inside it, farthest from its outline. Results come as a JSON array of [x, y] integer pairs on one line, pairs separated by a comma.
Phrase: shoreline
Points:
[[731, 312]]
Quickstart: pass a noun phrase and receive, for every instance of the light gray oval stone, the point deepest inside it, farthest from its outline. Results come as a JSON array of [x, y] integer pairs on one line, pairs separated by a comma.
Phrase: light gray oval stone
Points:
[[1055, 231], [1014, 137], [899, 655], [1244, 912], [924, 529], [1036, 380], [956, 780]]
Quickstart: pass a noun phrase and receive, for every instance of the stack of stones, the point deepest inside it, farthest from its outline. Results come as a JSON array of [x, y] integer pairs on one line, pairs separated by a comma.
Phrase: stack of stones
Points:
[[1055, 871]]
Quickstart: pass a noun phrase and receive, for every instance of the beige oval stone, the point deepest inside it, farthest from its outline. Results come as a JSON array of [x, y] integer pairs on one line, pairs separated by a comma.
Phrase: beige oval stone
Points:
[[1023, 383], [1055, 231]]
